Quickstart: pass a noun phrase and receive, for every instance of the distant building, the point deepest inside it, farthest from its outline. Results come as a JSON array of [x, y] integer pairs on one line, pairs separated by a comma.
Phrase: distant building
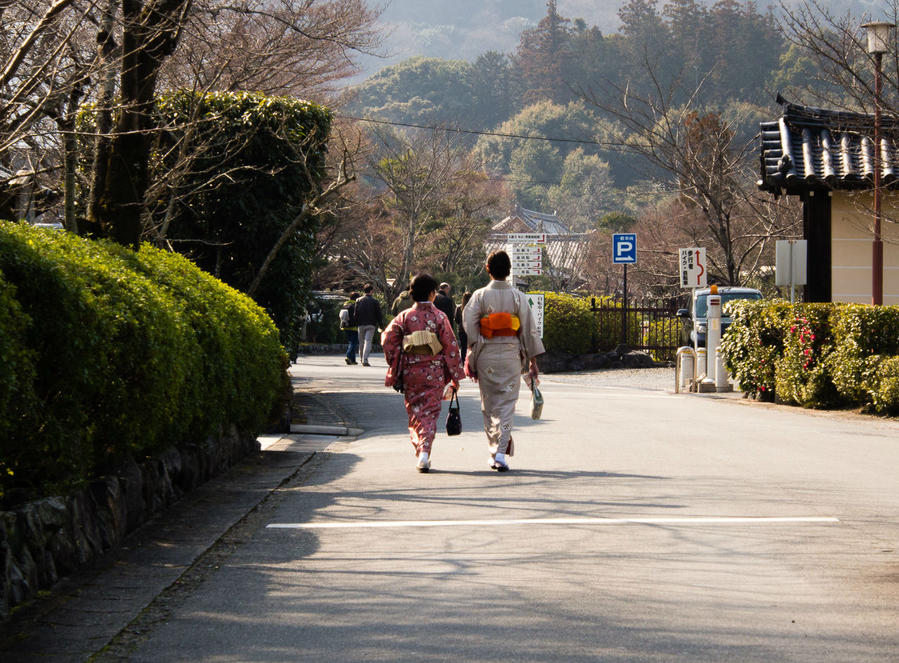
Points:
[[23, 198], [521, 220], [826, 158], [565, 250]]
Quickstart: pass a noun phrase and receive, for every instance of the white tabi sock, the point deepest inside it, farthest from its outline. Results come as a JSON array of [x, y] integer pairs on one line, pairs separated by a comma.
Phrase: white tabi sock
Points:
[[500, 458], [423, 458]]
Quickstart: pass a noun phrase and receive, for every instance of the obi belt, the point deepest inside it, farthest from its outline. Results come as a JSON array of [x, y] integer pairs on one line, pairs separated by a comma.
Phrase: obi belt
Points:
[[500, 324], [422, 342]]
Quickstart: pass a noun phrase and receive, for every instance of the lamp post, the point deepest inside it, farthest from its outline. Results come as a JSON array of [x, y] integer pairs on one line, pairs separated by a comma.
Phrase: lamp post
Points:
[[879, 35]]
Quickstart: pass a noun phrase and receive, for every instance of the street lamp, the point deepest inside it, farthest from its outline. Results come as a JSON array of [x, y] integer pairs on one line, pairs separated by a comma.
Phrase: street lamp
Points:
[[880, 36]]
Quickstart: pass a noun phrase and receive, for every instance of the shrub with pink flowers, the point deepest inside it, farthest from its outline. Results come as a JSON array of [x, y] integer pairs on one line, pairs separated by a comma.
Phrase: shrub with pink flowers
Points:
[[802, 375], [753, 343], [816, 355]]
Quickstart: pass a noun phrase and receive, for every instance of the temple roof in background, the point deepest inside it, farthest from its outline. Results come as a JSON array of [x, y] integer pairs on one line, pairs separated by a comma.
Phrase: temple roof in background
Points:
[[522, 220]]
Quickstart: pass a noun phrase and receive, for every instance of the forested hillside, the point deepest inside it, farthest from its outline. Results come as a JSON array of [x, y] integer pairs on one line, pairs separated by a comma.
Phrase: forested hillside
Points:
[[610, 117], [467, 28], [731, 54]]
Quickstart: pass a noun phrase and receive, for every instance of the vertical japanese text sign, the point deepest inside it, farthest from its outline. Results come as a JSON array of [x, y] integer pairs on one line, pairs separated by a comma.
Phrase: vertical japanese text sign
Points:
[[692, 268], [536, 304]]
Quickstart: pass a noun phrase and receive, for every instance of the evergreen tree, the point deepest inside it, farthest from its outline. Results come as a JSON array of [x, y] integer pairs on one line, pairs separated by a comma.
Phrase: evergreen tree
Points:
[[496, 90], [542, 55], [647, 45]]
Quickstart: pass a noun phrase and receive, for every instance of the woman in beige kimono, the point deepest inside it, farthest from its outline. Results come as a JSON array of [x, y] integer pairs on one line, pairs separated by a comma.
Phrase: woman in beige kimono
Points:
[[501, 334]]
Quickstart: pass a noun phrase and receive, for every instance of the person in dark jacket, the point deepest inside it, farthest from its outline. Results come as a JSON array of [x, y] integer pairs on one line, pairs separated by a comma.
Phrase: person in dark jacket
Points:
[[368, 319], [463, 337], [445, 303], [349, 326]]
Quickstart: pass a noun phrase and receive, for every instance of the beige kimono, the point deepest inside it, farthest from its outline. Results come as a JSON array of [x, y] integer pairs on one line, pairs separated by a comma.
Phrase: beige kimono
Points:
[[498, 360]]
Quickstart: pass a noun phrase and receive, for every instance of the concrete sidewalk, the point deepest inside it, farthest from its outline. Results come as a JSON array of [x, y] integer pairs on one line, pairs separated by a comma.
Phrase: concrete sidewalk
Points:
[[85, 612]]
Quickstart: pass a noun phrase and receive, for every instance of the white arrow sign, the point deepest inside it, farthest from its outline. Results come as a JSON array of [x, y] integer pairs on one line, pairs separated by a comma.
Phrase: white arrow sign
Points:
[[529, 238], [692, 267]]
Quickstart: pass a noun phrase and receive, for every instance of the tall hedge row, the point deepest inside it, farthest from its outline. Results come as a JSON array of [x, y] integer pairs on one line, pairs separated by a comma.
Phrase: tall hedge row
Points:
[[571, 326], [568, 324], [107, 353], [816, 355]]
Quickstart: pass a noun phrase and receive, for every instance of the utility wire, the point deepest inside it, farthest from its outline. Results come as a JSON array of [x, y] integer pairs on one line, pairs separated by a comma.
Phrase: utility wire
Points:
[[474, 131]]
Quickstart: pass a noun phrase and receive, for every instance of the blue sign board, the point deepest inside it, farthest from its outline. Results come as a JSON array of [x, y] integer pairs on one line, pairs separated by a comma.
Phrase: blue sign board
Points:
[[624, 248]]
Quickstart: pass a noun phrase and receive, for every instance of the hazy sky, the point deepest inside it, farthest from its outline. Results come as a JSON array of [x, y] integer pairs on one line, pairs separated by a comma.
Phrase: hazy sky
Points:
[[464, 29]]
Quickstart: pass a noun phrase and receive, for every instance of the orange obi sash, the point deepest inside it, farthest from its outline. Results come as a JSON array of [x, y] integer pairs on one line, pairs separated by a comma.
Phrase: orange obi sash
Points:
[[500, 324]]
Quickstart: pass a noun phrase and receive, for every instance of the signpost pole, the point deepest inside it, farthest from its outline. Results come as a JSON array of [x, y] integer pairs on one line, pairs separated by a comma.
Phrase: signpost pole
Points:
[[624, 251], [624, 308]]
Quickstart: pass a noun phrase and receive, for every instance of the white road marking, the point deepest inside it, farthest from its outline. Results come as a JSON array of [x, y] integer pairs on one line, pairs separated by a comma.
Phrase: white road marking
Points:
[[685, 520]]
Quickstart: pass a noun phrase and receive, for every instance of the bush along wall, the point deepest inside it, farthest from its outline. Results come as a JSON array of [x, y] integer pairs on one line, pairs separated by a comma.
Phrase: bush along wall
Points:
[[577, 339], [816, 355], [112, 359], [568, 324]]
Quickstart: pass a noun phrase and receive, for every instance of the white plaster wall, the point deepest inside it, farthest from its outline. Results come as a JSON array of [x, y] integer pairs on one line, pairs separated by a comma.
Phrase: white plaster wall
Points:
[[852, 223]]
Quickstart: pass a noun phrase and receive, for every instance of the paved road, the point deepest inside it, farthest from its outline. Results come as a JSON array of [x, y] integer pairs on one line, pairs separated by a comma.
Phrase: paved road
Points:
[[636, 525]]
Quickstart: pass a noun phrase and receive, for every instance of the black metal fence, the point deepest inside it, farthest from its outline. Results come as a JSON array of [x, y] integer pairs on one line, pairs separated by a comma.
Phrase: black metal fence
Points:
[[642, 324]]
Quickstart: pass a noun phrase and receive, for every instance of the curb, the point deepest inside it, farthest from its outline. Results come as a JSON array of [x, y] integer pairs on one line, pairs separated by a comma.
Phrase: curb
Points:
[[312, 429]]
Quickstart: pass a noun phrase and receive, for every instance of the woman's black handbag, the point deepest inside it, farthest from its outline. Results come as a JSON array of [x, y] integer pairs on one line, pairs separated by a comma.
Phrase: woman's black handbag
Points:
[[453, 418]]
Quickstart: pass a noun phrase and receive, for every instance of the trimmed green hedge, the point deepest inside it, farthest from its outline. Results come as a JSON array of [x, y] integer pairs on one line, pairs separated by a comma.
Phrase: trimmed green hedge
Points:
[[568, 323], [109, 353], [816, 355], [571, 326]]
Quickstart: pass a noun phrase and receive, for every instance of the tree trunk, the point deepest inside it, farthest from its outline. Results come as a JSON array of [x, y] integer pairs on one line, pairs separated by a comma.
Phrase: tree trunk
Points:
[[273, 252], [107, 46], [150, 36], [70, 148]]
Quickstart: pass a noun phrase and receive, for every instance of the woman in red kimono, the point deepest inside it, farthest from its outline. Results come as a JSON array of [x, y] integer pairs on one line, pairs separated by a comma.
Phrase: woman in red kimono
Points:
[[422, 357]]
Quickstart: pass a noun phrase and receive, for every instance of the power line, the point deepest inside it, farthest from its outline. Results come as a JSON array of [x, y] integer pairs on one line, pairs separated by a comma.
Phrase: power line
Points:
[[475, 132]]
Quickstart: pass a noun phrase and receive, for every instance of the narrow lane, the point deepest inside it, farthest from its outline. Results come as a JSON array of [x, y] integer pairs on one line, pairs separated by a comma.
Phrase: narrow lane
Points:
[[647, 526]]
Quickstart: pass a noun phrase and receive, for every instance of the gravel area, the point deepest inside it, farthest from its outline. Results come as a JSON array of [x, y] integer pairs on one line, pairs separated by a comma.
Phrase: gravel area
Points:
[[653, 379]]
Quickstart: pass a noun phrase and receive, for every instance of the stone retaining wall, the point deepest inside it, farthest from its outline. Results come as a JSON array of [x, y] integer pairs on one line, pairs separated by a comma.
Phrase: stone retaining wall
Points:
[[42, 541], [620, 357]]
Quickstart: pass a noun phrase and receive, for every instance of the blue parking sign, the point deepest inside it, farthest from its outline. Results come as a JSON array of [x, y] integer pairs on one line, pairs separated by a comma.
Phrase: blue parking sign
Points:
[[624, 248]]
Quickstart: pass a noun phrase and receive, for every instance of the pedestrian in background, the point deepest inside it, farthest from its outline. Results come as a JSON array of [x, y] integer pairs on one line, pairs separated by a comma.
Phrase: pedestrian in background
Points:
[[422, 358], [444, 302], [502, 336], [402, 302], [368, 320], [457, 318], [348, 325]]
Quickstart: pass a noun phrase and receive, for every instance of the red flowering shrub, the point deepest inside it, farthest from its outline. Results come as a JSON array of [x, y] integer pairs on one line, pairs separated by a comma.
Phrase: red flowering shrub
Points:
[[802, 375], [754, 342]]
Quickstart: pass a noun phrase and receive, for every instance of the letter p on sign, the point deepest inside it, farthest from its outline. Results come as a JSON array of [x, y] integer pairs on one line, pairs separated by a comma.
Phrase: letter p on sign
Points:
[[624, 248]]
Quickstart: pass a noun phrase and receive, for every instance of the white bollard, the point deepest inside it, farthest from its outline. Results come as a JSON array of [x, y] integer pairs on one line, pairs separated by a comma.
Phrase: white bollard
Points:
[[712, 338], [685, 373], [721, 381]]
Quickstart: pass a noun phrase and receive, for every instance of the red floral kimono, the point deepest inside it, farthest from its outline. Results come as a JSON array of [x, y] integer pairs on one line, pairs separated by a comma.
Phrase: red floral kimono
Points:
[[424, 376]]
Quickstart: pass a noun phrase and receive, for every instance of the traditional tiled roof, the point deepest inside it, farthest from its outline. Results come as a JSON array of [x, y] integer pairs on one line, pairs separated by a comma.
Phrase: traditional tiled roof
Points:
[[566, 253], [813, 148], [528, 220], [564, 249]]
